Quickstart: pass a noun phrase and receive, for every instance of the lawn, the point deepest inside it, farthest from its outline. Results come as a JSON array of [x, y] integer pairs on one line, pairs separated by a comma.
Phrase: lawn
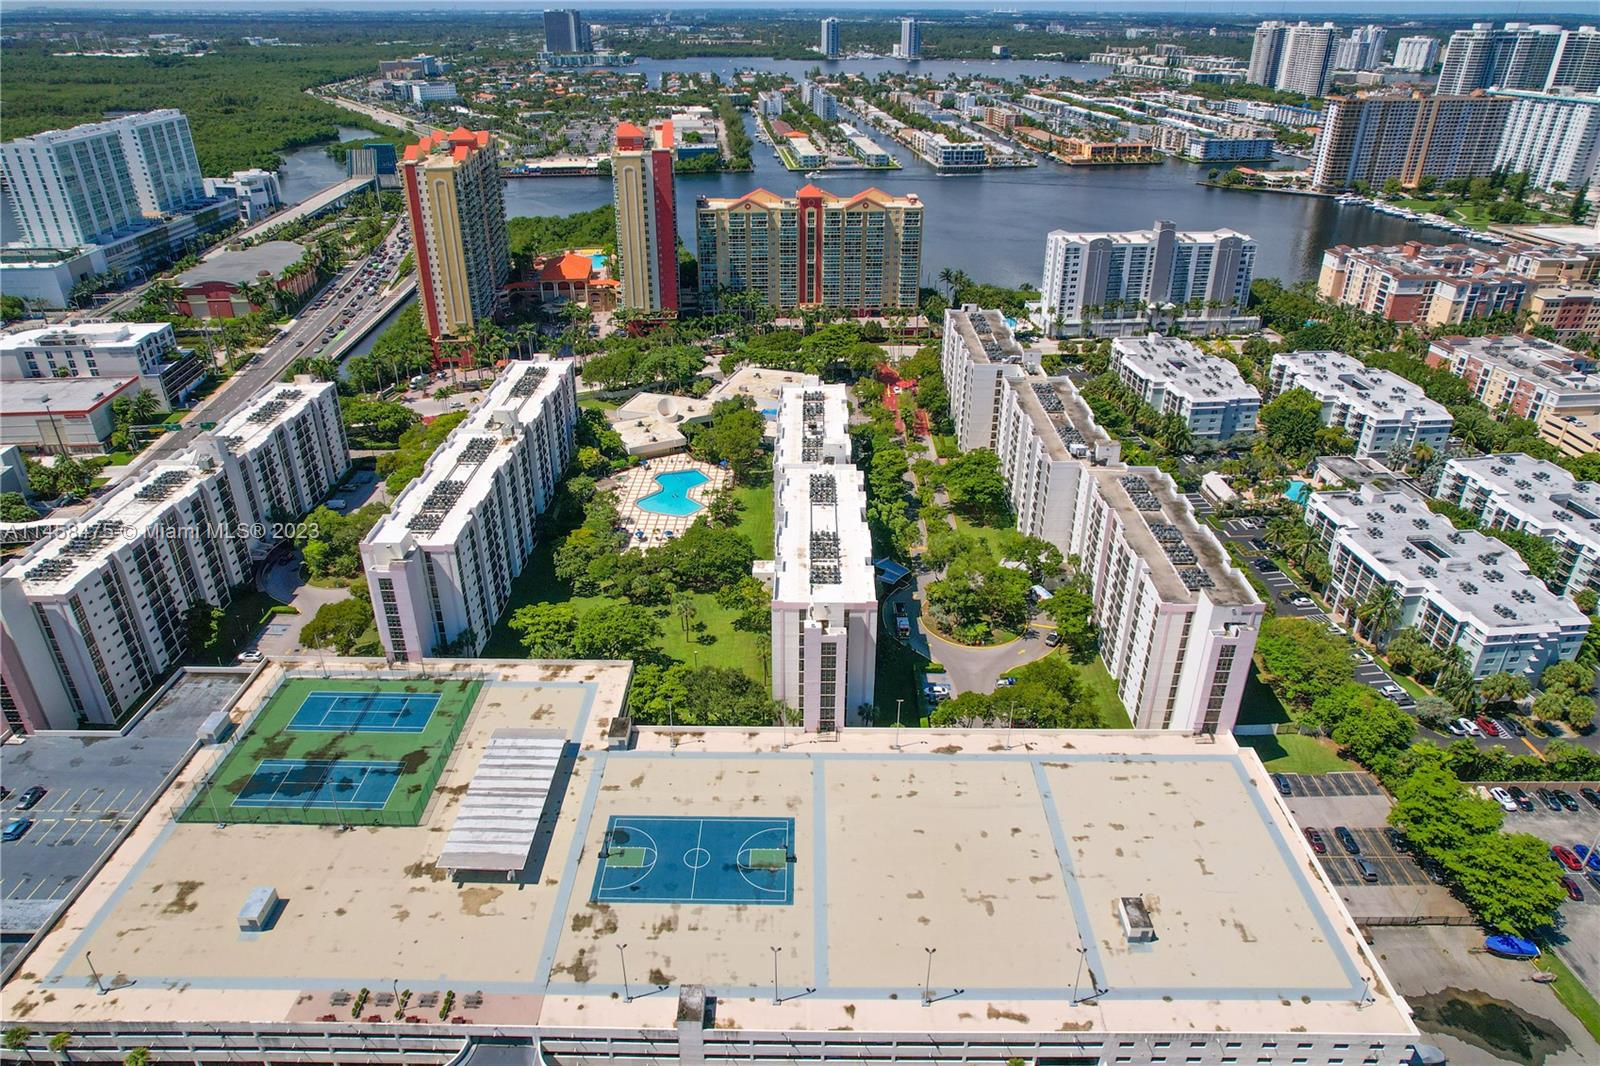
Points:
[[993, 536], [594, 403], [1293, 753], [712, 640], [1103, 691], [755, 517], [421, 755]]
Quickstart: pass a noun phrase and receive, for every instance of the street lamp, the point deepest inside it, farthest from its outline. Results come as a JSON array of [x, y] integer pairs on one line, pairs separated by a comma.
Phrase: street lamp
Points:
[[99, 985], [627, 993], [927, 979], [776, 999], [898, 701]]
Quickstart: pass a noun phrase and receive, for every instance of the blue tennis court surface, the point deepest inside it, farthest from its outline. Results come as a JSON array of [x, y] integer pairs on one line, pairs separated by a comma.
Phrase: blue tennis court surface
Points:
[[364, 712], [345, 784], [696, 860]]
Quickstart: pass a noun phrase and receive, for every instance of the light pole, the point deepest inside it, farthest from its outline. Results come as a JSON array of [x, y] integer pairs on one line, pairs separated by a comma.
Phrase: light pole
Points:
[[776, 999], [898, 701], [627, 993], [927, 979], [99, 985], [1083, 953]]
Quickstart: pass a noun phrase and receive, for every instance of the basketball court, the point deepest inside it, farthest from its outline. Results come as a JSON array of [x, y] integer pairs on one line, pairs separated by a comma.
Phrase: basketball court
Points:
[[696, 860]]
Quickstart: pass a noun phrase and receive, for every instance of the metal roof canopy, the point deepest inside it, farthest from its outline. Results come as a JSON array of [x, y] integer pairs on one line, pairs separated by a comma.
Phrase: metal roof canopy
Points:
[[499, 816]]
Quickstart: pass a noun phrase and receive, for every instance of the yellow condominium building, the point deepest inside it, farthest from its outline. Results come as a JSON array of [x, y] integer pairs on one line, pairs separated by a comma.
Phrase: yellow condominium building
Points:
[[862, 252], [647, 229], [458, 227]]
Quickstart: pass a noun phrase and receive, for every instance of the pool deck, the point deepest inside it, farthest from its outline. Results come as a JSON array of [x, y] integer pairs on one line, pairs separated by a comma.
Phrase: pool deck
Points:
[[637, 482]]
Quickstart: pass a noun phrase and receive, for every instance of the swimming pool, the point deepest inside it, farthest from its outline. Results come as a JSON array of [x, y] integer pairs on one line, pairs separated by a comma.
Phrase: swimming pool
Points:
[[673, 496]]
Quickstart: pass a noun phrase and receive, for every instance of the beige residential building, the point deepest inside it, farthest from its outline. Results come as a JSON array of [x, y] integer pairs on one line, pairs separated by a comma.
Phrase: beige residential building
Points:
[[1406, 136], [454, 199], [1573, 434], [862, 253], [647, 245]]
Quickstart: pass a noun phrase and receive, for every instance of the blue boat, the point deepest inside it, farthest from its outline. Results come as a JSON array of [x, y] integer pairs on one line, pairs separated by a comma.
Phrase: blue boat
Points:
[[1511, 947]]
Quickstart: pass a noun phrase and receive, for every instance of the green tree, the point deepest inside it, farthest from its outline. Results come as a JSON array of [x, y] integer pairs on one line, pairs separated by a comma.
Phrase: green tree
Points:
[[546, 629], [734, 436], [1375, 731], [14, 508], [16, 1039], [139, 1056], [339, 625], [1379, 612], [1503, 688], [1410, 652], [1438, 814], [1289, 424], [618, 631], [376, 423], [1508, 881], [1457, 685], [1071, 608], [202, 628], [1300, 660], [976, 486]]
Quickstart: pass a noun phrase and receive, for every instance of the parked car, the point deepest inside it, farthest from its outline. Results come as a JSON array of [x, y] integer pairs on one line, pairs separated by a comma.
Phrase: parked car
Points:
[[1393, 692], [1005, 682], [1523, 802], [1266, 566], [1282, 785], [1488, 726], [1318, 845], [1574, 893], [1511, 726], [1563, 854], [1469, 727], [1455, 729], [1369, 872], [1347, 840], [1052, 639], [249, 656], [30, 797], [1589, 858], [1564, 798], [15, 828], [1502, 797], [1591, 797], [1548, 798]]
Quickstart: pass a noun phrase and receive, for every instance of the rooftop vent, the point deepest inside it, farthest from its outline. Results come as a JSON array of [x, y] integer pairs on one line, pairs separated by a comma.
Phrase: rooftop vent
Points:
[[162, 485], [528, 383], [1136, 923]]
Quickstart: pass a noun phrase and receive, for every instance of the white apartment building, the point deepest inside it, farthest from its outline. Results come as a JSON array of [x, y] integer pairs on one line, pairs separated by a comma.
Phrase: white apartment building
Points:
[[441, 562], [146, 350], [1516, 56], [1416, 54], [94, 617], [1528, 377], [819, 100], [1178, 623], [824, 587], [1121, 284], [771, 103], [1362, 50], [1176, 617], [1380, 411], [1297, 57], [1576, 66], [100, 180], [1551, 137], [1515, 491], [1462, 589], [1040, 427], [1177, 378], [910, 39], [830, 38]]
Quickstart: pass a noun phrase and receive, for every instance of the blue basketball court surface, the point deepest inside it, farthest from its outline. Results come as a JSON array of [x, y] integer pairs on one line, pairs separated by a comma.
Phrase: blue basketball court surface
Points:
[[696, 860], [364, 712], [343, 784]]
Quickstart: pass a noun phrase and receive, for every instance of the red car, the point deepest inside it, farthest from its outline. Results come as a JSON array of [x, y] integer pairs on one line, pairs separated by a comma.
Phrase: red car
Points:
[[1490, 729], [1574, 893], [1566, 857], [1318, 845]]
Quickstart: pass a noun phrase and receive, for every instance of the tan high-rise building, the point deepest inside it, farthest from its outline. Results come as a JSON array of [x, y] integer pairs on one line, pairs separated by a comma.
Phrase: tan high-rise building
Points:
[[862, 252], [458, 227], [647, 229]]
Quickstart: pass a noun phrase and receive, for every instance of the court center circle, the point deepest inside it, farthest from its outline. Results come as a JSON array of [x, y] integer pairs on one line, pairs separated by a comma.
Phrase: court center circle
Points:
[[695, 858]]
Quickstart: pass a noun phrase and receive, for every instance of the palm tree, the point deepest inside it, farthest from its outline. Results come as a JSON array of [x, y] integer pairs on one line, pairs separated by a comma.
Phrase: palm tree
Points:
[[1291, 537], [59, 1044], [1379, 613], [16, 1039], [1503, 688], [1456, 684], [947, 278], [683, 604]]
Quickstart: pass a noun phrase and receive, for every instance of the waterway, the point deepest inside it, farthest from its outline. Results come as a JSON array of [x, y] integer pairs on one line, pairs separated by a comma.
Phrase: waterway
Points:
[[992, 224], [307, 171]]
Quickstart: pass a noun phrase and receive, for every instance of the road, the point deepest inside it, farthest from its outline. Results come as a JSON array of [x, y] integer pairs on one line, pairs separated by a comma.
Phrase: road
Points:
[[300, 336], [388, 118]]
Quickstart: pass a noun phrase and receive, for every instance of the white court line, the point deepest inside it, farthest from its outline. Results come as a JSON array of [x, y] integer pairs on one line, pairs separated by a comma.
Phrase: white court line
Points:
[[694, 872]]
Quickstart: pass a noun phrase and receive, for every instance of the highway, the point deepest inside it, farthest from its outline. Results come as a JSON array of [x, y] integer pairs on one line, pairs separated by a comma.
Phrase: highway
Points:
[[310, 206], [388, 118], [344, 306]]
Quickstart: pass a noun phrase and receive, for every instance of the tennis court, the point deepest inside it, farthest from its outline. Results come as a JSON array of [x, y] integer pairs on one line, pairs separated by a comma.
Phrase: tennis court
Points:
[[696, 860], [364, 712], [343, 784]]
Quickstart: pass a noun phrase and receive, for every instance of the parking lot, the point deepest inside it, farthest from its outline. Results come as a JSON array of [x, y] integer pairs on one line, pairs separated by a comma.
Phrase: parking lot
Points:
[[1402, 889], [1580, 920], [95, 785]]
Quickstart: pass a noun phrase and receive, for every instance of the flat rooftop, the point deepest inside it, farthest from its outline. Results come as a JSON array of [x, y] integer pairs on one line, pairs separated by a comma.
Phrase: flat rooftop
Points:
[[1534, 358], [1063, 420], [89, 334], [1007, 858], [269, 259], [1334, 377], [1184, 557], [1148, 236], [824, 548], [813, 425], [1546, 495], [63, 396], [1475, 577], [434, 507], [1184, 369], [987, 337], [255, 421]]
